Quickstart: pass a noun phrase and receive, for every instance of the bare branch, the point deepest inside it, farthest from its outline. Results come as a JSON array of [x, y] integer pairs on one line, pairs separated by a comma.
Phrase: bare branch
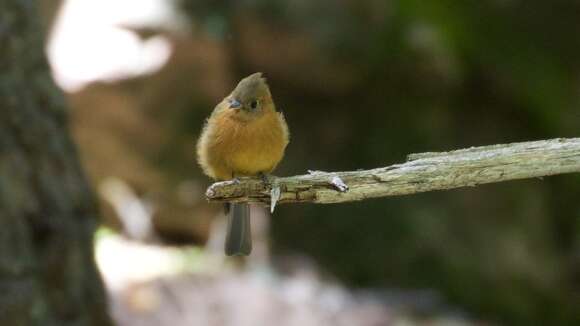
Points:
[[422, 172]]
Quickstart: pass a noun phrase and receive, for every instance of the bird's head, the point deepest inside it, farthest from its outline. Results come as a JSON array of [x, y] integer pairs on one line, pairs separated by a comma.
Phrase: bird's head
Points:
[[251, 98]]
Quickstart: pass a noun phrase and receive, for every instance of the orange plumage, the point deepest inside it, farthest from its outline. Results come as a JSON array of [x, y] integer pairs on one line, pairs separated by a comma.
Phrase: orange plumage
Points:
[[244, 136], [237, 143]]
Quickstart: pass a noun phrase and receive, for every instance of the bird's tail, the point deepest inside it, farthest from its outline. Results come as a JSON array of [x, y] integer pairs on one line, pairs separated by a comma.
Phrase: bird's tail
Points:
[[239, 235]]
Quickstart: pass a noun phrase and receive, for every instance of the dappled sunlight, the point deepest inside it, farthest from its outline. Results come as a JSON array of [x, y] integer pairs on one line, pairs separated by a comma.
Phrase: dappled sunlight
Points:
[[160, 285], [99, 41], [123, 261]]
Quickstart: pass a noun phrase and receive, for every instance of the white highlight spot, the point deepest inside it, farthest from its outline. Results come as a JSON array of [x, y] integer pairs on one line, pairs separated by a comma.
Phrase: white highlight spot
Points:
[[94, 41]]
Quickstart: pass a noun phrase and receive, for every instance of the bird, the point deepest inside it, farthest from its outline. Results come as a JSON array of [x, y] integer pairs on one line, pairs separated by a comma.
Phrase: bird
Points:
[[244, 136]]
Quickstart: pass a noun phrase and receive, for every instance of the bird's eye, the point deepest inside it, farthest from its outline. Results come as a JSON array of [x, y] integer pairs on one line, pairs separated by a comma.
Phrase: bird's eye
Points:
[[254, 104]]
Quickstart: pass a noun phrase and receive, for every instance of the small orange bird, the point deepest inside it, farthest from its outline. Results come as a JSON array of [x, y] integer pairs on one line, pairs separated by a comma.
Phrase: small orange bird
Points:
[[244, 136]]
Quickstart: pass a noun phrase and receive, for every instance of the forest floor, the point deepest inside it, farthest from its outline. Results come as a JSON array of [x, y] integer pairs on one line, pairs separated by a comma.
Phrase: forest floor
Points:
[[151, 285]]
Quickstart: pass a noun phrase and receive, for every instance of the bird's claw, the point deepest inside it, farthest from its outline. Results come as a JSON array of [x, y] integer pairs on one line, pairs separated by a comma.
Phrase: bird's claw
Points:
[[266, 179]]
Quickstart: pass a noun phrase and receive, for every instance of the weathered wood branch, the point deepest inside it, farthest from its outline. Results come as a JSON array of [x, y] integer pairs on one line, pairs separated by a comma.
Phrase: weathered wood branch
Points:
[[421, 173]]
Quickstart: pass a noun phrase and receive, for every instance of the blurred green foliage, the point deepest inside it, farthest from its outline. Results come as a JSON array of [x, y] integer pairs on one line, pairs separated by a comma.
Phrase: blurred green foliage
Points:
[[429, 76], [363, 84]]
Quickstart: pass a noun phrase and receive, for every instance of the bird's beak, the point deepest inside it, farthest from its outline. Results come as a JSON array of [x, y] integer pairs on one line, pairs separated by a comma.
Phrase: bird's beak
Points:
[[235, 104]]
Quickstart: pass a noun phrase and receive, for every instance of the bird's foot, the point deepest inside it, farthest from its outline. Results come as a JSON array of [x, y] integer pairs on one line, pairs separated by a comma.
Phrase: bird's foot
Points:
[[266, 178]]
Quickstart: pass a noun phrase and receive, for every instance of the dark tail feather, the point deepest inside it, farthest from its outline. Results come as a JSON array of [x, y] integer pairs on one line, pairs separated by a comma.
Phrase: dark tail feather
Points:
[[239, 236]]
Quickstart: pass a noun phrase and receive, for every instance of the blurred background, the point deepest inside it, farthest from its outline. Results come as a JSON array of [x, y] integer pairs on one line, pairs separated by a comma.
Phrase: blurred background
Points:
[[362, 84]]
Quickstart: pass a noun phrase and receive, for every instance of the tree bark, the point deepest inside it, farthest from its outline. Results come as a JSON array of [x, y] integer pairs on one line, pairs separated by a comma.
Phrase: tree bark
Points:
[[47, 211]]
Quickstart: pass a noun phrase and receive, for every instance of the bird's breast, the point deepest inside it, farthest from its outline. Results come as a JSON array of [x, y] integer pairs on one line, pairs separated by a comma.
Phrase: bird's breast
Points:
[[253, 146]]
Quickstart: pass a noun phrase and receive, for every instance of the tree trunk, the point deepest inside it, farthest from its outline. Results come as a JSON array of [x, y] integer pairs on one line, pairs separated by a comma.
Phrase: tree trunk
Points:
[[47, 211]]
